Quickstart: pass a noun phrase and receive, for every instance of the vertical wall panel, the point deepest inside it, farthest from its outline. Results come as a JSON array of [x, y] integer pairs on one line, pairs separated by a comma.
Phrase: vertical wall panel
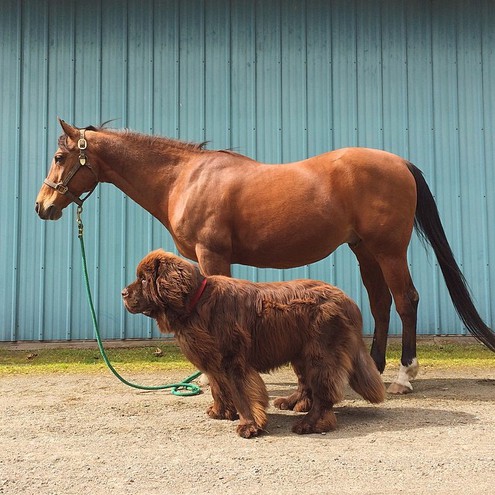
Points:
[[11, 100], [319, 62], [112, 230], [421, 147], [394, 74], [488, 83], [471, 149], [277, 81], [370, 86], [446, 125], [166, 81], [217, 74], [294, 111], [268, 82], [34, 25], [343, 34], [243, 77], [192, 70]]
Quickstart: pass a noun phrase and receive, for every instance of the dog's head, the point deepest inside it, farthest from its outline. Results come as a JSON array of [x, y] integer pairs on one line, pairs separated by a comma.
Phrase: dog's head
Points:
[[164, 281]]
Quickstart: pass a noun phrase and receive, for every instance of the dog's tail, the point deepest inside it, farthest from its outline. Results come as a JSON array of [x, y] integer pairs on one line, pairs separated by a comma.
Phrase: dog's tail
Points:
[[365, 378]]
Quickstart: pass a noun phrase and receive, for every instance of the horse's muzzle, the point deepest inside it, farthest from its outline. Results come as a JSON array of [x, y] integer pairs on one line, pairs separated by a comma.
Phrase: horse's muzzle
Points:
[[50, 213]]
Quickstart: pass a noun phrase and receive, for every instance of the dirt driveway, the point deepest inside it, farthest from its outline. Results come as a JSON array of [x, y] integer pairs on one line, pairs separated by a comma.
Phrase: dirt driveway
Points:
[[89, 434]]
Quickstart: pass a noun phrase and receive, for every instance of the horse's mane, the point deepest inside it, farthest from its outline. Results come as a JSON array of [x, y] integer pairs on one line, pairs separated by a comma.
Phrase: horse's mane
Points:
[[144, 140], [148, 141]]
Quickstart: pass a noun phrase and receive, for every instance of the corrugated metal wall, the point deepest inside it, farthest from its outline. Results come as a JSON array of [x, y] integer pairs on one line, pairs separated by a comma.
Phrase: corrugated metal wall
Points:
[[278, 81]]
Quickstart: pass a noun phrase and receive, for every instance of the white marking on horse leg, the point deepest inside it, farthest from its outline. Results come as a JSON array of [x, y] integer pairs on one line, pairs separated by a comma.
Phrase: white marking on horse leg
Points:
[[412, 369], [402, 384]]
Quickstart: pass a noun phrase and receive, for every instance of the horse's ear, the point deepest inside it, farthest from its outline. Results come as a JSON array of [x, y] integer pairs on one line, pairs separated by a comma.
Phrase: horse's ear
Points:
[[70, 131]]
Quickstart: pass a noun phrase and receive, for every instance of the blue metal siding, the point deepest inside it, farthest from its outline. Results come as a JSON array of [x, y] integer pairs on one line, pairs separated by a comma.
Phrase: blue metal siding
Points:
[[278, 81]]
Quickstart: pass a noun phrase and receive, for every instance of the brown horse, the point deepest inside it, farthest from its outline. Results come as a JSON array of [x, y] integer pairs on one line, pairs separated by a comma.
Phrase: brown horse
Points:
[[221, 208]]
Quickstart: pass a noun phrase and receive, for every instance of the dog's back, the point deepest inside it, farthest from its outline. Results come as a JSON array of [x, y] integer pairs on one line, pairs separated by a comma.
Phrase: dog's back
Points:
[[288, 320]]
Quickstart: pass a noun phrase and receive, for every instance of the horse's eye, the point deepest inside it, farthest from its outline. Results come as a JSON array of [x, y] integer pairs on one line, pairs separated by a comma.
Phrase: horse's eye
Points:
[[59, 159], [144, 282]]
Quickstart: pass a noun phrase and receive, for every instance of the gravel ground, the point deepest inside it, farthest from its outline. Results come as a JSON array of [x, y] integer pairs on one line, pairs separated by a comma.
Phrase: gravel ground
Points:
[[68, 434]]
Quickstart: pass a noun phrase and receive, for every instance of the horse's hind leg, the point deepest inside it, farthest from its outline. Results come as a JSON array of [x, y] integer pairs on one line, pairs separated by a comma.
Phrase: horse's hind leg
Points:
[[380, 301], [406, 298]]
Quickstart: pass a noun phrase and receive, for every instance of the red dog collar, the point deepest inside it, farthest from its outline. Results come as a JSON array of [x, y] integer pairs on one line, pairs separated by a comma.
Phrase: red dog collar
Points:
[[198, 294]]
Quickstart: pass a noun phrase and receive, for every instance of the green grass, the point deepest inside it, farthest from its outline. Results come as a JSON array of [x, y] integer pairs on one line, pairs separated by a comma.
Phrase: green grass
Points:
[[45, 360], [447, 355]]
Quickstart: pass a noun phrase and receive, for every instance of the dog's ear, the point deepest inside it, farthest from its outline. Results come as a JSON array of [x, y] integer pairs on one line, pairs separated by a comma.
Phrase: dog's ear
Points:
[[174, 281]]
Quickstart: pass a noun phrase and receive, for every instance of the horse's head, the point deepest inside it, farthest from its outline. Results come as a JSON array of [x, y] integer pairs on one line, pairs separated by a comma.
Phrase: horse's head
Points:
[[70, 174]]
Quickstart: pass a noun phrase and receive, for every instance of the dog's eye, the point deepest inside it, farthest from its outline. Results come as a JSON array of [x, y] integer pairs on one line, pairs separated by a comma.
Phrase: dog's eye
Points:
[[144, 282]]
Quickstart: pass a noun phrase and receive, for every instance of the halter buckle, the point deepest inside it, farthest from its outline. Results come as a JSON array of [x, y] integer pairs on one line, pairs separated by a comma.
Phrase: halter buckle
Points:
[[82, 144], [61, 188]]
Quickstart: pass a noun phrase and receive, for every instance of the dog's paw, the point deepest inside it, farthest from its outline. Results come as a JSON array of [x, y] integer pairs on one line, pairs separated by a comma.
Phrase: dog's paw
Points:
[[293, 403], [283, 404], [215, 413], [303, 405], [248, 430], [327, 422]]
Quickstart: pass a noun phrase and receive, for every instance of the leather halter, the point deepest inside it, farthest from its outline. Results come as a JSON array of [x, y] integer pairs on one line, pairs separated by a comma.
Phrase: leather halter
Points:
[[62, 187]]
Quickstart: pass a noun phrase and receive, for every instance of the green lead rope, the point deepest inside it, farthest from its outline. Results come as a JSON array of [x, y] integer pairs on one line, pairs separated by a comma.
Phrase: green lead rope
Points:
[[184, 388]]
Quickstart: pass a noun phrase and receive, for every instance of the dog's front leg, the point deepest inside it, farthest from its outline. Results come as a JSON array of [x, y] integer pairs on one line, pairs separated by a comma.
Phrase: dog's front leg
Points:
[[222, 407], [250, 399]]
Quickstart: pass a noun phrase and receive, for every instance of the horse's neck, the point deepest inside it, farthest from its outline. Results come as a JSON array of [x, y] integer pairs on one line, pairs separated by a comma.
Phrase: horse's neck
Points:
[[144, 176]]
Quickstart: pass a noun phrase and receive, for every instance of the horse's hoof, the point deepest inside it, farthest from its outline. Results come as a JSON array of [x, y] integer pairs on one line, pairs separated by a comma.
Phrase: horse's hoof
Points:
[[399, 389], [402, 385]]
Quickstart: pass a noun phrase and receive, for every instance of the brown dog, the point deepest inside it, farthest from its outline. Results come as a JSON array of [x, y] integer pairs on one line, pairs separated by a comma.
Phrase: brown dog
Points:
[[233, 329]]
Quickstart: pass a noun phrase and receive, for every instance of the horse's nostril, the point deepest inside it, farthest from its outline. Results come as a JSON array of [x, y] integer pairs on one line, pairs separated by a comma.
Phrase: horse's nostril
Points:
[[37, 208], [125, 292]]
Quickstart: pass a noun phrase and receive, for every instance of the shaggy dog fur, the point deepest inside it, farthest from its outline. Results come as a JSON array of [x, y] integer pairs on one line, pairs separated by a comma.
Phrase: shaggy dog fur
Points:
[[234, 329]]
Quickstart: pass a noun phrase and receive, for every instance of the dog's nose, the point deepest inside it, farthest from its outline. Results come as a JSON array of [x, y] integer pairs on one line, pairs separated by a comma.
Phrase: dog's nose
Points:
[[125, 292]]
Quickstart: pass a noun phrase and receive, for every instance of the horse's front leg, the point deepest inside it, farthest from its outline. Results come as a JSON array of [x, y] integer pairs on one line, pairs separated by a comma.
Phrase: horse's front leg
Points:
[[213, 262]]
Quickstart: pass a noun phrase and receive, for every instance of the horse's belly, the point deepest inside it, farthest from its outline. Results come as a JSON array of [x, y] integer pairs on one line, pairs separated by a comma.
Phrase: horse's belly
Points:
[[285, 248]]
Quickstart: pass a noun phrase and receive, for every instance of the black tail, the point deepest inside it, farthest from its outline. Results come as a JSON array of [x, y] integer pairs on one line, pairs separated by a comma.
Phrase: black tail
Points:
[[429, 227]]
